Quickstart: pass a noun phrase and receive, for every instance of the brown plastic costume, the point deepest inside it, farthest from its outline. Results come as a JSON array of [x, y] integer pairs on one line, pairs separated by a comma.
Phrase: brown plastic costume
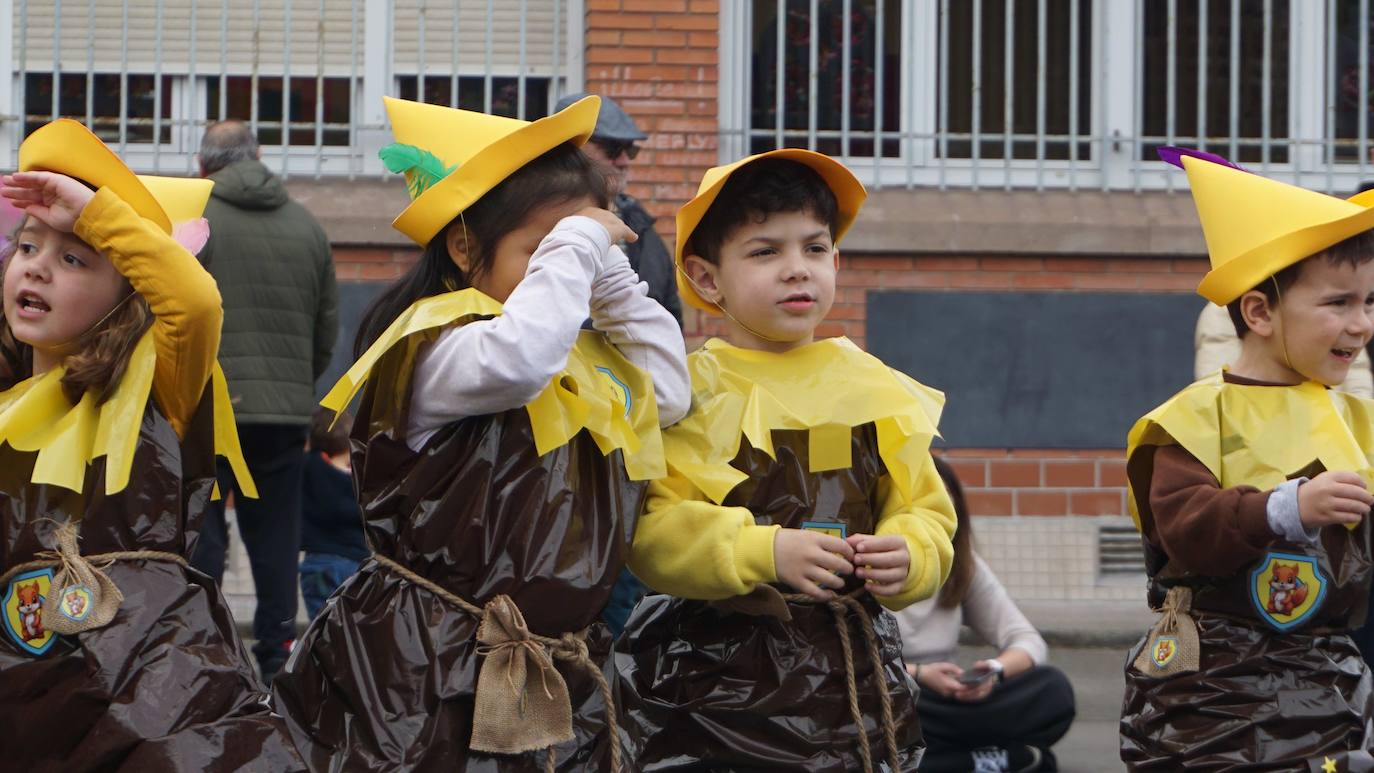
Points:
[[387, 676], [704, 685], [698, 683], [1278, 686]]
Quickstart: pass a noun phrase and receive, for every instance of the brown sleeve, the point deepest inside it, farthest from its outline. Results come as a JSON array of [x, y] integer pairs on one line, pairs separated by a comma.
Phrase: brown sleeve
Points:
[[1203, 527]]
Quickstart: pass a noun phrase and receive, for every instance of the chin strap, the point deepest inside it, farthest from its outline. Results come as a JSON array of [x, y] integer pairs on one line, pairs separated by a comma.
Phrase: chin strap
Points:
[[732, 317]]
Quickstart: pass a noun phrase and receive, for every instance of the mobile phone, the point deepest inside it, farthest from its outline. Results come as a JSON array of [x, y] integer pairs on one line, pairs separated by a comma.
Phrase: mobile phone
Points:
[[974, 678]]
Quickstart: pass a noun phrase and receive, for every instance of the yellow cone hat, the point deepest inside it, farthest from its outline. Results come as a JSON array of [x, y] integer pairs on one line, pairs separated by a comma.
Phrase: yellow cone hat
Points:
[[68, 147], [1256, 227], [477, 152], [849, 196], [182, 198]]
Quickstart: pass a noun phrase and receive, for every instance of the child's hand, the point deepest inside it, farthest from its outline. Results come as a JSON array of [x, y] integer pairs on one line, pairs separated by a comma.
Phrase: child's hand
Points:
[[1334, 496], [614, 226], [881, 562], [56, 199], [807, 561]]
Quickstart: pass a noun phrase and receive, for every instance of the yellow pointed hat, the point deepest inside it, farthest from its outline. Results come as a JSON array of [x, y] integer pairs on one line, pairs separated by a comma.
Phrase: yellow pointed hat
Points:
[[456, 156], [1256, 227], [182, 198], [68, 147], [849, 196]]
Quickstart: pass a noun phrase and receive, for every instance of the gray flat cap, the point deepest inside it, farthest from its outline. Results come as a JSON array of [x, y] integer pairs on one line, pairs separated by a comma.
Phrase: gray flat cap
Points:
[[612, 123]]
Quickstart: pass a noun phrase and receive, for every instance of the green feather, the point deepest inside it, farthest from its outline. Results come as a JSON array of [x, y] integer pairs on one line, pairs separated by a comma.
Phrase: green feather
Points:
[[421, 168]]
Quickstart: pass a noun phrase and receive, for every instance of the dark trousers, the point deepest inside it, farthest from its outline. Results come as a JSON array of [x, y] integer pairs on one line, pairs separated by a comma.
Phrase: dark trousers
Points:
[[270, 527], [1035, 708]]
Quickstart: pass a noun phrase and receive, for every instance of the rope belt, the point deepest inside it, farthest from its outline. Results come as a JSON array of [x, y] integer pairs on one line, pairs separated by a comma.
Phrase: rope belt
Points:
[[81, 596], [529, 715], [767, 600]]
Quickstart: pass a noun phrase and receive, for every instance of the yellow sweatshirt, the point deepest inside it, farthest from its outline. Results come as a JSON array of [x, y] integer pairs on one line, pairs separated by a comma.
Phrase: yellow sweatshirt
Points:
[[182, 295], [689, 545]]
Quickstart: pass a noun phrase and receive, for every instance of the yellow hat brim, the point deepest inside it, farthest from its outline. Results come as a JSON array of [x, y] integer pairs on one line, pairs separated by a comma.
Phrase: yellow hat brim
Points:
[[182, 198], [849, 198], [67, 147], [442, 202], [1227, 282]]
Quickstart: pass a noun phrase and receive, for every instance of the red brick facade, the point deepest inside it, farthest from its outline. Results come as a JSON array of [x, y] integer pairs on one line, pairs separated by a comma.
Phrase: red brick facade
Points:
[[659, 59]]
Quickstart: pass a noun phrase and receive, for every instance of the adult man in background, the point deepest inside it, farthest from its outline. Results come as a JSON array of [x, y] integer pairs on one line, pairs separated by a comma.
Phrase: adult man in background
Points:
[[613, 147], [276, 274]]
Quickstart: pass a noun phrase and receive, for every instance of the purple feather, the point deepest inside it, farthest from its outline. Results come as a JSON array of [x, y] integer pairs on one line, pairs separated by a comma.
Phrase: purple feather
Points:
[[1172, 154]]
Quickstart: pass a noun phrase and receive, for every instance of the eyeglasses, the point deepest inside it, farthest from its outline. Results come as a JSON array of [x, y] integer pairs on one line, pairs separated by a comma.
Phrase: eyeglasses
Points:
[[613, 148]]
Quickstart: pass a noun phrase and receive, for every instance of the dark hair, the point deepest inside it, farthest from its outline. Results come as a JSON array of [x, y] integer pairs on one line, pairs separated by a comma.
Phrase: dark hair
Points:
[[1355, 251], [955, 589], [225, 143], [762, 188], [562, 174], [327, 439], [99, 356]]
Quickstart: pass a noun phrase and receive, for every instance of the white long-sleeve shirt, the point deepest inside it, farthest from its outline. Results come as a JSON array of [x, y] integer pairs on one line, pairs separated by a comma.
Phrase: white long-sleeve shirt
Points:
[[930, 633], [498, 364]]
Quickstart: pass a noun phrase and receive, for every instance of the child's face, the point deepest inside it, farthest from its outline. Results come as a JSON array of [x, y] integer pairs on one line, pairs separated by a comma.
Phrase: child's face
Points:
[[1323, 320], [776, 280], [511, 255], [56, 288]]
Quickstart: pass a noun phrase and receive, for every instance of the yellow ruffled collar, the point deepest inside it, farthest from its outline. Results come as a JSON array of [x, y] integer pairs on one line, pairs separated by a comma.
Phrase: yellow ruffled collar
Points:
[[596, 391], [828, 387], [1257, 435], [36, 416]]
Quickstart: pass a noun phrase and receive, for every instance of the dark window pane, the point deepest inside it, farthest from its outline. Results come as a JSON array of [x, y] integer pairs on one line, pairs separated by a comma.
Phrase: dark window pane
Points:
[[505, 93], [1215, 122], [1348, 102], [862, 50], [238, 89], [105, 92], [1025, 85]]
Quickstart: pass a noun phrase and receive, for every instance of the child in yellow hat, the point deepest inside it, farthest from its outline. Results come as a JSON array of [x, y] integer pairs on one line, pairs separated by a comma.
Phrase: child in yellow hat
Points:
[[114, 654], [500, 454], [1250, 489], [800, 500]]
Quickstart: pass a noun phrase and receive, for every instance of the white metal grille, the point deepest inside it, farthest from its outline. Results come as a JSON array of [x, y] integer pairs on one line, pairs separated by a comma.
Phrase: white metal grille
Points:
[[147, 75], [1052, 93]]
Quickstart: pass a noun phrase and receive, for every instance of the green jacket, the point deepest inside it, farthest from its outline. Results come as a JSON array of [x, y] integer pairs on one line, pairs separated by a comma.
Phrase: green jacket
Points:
[[276, 274]]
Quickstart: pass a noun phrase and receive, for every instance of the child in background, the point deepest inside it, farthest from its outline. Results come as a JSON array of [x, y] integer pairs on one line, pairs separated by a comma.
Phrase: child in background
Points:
[[800, 500], [331, 523], [1250, 489], [111, 414], [501, 455]]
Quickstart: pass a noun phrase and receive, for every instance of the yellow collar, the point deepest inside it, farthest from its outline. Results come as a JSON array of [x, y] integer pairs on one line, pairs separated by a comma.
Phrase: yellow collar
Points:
[[1260, 435], [599, 390], [36, 416], [828, 387]]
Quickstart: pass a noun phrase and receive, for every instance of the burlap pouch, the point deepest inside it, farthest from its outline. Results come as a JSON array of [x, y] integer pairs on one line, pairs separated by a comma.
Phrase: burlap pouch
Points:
[[522, 702], [82, 598], [1171, 648]]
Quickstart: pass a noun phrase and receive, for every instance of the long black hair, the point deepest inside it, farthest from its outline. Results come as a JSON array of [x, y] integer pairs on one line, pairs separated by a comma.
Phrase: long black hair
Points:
[[561, 174]]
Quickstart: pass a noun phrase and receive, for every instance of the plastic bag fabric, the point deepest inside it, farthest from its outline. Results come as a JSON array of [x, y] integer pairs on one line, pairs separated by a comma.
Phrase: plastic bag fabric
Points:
[[1277, 698], [1259, 702], [166, 685], [385, 678], [698, 686]]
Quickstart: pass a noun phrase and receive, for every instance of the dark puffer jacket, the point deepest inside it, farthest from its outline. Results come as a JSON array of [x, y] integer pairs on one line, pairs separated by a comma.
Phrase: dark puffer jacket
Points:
[[275, 271]]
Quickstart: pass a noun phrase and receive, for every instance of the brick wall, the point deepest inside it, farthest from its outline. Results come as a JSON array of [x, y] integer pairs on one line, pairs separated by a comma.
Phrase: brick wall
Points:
[[1040, 482]]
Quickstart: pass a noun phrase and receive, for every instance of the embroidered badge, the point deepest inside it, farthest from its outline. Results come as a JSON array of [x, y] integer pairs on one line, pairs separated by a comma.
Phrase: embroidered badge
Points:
[[1163, 650], [1287, 589], [824, 527], [76, 603], [23, 611], [619, 389]]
